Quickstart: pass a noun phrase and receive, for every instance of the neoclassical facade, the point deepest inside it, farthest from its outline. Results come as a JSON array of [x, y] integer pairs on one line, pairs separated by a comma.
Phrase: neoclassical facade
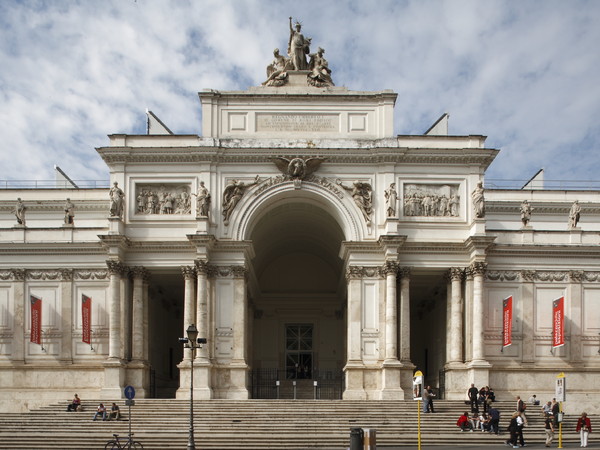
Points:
[[305, 241]]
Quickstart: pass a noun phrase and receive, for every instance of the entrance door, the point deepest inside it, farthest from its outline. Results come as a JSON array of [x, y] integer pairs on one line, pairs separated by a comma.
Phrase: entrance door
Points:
[[299, 351]]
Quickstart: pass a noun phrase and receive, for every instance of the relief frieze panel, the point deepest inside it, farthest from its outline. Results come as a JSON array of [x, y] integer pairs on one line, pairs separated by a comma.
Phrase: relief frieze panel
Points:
[[162, 199], [573, 276], [431, 200]]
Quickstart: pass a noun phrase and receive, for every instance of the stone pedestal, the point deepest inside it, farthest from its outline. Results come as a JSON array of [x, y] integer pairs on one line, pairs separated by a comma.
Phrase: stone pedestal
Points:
[[354, 383], [116, 225], [138, 376], [202, 225], [114, 379], [391, 381], [575, 235]]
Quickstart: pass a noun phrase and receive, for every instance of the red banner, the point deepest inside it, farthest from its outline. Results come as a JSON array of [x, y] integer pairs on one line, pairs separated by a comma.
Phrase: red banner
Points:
[[36, 320], [507, 310], [558, 322], [86, 319]]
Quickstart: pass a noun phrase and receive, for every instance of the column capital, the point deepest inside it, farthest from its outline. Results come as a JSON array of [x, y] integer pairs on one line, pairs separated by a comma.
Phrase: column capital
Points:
[[202, 266], [456, 273], [478, 268], [404, 272], [115, 267], [139, 272], [389, 268], [189, 272]]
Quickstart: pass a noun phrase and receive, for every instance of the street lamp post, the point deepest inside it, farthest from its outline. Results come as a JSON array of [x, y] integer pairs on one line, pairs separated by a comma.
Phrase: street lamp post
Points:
[[192, 341]]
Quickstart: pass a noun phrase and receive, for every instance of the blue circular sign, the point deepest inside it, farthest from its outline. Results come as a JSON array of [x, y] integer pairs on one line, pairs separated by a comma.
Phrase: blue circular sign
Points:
[[129, 392]]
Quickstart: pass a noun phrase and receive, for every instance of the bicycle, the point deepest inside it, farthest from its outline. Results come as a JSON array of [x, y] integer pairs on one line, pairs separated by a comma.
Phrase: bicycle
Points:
[[116, 444]]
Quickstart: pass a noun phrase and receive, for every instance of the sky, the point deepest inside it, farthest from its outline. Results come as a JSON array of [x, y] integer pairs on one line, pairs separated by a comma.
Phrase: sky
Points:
[[526, 74]]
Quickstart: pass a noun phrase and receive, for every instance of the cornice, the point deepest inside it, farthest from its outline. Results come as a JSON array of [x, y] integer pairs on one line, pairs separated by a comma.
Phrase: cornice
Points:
[[558, 208], [547, 276], [538, 250], [55, 248]]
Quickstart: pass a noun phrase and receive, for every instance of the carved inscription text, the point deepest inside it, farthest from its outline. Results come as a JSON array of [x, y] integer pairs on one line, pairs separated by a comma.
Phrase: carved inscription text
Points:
[[298, 122]]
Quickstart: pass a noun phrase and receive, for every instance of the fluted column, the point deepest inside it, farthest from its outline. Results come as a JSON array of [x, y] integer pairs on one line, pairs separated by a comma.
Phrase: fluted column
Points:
[[115, 269], [66, 313], [405, 315], [478, 270], [456, 316], [189, 302], [202, 307], [18, 348], [240, 314], [138, 313], [390, 269], [353, 345]]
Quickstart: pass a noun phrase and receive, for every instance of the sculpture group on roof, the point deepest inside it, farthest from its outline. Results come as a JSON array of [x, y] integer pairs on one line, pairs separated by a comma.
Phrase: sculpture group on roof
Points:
[[298, 48]]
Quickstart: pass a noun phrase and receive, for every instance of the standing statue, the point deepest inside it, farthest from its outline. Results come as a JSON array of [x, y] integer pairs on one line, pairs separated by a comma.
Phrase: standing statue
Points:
[[276, 71], [69, 212], [391, 198], [202, 201], [362, 196], [298, 47], [320, 75], [525, 212], [19, 212], [574, 214], [233, 194], [116, 200], [478, 201]]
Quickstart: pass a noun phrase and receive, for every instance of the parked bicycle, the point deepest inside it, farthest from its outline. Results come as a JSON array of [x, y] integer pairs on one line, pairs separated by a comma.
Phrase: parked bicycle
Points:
[[116, 443]]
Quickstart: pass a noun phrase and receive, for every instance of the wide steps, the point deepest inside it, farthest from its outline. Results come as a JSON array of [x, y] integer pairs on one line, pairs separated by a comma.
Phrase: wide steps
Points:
[[256, 424]]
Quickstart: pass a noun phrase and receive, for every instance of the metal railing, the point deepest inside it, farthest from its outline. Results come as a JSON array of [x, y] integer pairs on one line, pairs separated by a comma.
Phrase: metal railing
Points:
[[276, 384], [54, 184], [553, 185]]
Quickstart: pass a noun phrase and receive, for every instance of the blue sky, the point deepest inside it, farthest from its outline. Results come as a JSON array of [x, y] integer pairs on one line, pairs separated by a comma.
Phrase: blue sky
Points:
[[524, 73]]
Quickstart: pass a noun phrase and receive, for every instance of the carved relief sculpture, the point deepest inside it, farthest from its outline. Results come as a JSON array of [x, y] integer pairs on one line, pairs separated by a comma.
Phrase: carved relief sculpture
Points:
[[431, 200], [69, 212], [202, 201], [362, 195], [525, 212], [163, 199], [574, 214], [19, 212], [297, 168], [478, 201], [116, 200], [391, 198], [233, 194]]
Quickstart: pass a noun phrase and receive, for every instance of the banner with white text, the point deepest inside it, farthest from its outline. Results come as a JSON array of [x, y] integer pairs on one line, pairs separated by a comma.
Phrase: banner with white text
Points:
[[507, 311], [558, 322], [36, 320], [86, 319]]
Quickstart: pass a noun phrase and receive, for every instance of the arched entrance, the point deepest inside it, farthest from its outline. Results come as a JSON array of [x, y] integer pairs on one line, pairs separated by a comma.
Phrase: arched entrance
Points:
[[298, 296]]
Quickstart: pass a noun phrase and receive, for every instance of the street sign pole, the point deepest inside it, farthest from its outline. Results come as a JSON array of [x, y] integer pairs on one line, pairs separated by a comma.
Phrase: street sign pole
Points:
[[561, 396], [418, 395], [129, 394]]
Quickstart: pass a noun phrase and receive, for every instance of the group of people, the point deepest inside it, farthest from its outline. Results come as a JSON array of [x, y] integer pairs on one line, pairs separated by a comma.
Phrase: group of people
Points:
[[101, 410], [488, 419]]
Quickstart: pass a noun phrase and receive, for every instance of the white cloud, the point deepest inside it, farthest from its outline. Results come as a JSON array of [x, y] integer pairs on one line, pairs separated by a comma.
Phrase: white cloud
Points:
[[522, 73]]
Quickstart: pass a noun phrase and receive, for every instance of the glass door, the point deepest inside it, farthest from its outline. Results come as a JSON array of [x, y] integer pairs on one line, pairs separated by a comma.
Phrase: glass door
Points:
[[299, 351]]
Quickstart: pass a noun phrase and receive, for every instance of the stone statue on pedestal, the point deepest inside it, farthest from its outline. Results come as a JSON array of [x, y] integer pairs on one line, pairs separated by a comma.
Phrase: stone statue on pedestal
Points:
[[320, 75], [298, 47], [69, 212], [478, 201], [202, 201], [526, 212], [574, 214], [116, 200], [391, 198], [19, 212]]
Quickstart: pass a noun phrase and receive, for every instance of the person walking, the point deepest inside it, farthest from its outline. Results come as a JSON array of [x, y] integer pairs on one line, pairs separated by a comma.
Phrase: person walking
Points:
[[430, 395], [520, 425], [584, 428], [513, 429], [549, 429]]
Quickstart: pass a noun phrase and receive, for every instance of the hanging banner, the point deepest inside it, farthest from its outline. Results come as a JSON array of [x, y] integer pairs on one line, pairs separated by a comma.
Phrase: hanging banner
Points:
[[507, 321], [36, 320], [86, 319], [558, 322]]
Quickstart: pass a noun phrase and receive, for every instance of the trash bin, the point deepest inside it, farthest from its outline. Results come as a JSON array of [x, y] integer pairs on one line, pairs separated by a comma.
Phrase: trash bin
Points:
[[370, 439], [356, 439]]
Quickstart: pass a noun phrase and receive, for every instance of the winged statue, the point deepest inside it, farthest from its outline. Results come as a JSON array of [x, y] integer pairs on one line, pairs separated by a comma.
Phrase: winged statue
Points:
[[297, 168]]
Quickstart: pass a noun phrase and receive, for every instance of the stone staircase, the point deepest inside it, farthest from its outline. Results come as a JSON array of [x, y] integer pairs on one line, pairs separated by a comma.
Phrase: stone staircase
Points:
[[258, 424]]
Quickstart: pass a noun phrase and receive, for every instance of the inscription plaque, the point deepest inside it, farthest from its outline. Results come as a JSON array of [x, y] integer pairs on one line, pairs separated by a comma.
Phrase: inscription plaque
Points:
[[286, 123]]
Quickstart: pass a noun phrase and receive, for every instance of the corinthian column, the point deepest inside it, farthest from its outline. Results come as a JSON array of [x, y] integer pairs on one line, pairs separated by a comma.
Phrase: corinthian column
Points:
[[390, 269], [478, 270], [405, 315], [456, 317], [138, 307], [202, 309], [115, 268], [189, 302]]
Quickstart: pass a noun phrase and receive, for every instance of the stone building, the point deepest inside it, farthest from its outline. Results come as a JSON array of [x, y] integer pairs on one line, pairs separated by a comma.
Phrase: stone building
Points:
[[306, 241]]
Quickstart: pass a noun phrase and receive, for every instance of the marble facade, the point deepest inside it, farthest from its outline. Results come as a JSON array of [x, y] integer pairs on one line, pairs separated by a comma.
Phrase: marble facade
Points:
[[304, 241]]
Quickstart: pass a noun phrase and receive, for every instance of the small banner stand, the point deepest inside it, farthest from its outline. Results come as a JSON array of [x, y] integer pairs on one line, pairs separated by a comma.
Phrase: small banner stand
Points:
[[418, 396], [560, 392]]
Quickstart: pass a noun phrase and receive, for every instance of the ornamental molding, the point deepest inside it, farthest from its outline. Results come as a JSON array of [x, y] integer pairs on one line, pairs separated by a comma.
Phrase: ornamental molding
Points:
[[224, 332], [281, 180], [358, 272], [372, 335], [574, 276], [52, 274], [91, 274], [559, 208], [227, 271]]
